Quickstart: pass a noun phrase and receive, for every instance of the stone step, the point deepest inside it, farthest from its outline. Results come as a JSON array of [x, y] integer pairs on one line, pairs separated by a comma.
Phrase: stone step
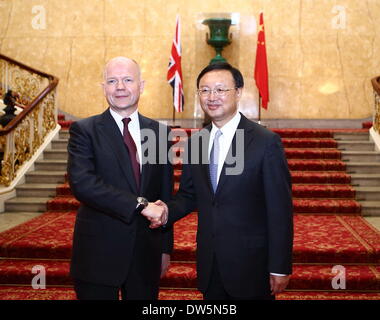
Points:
[[356, 145], [370, 208], [59, 144], [365, 180], [36, 190], [56, 154], [363, 167], [30, 204], [364, 136], [51, 165], [45, 177], [367, 193], [64, 134], [361, 156]]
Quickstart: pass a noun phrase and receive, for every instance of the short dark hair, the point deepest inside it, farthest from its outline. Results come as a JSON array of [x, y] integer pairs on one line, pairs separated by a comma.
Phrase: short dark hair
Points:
[[236, 74]]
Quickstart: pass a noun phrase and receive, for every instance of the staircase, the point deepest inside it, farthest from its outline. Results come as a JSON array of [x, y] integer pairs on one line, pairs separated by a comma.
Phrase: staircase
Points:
[[355, 148], [40, 185], [363, 165], [328, 226], [323, 168]]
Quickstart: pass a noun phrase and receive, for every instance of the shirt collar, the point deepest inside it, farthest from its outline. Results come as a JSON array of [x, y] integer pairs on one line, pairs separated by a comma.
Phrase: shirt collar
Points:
[[119, 119], [229, 128]]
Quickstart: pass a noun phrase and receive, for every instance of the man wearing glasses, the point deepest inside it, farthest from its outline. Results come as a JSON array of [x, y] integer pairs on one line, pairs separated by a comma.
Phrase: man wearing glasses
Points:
[[245, 216]]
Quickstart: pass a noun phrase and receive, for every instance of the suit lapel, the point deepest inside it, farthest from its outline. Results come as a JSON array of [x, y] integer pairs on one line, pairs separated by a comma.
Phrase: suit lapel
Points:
[[244, 125], [110, 129], [146, 123], [203, 148]]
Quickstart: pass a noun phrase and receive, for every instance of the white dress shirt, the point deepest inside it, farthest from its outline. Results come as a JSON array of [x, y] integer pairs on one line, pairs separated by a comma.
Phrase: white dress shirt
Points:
[[133, 127], [225, 140]]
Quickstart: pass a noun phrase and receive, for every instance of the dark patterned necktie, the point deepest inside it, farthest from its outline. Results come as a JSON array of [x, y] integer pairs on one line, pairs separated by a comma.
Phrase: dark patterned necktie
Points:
[[128, 140]]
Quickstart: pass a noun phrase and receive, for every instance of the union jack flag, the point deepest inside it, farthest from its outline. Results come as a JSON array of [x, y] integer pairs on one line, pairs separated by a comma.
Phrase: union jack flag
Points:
[[174, 76]]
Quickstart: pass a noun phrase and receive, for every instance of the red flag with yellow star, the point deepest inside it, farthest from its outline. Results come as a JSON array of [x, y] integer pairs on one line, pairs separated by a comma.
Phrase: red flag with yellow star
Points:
[[261, 67]]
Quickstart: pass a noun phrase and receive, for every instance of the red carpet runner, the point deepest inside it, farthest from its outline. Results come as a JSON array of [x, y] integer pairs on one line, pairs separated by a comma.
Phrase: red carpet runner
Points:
[[329, 231]]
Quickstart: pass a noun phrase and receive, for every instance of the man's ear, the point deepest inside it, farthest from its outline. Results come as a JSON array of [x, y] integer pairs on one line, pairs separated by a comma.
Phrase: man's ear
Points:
[[142, 86], [239, 93]]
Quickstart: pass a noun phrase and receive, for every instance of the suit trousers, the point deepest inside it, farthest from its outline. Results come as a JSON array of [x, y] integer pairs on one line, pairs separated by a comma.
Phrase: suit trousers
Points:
[[216, 290], [134, 288]]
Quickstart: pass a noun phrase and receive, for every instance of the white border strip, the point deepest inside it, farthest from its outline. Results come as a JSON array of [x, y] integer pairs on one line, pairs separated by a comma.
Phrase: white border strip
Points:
[[375, 137]]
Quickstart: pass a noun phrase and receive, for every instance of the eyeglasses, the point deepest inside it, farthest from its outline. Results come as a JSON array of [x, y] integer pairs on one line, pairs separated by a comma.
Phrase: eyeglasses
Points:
[[220, 92]]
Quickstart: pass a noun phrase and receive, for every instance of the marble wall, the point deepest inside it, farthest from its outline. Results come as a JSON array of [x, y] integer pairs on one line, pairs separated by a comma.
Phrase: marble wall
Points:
[[321, 53]]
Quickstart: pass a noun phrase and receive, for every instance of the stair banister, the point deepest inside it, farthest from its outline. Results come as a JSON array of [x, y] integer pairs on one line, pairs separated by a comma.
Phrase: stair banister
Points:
[[22, 137], [375, 130]]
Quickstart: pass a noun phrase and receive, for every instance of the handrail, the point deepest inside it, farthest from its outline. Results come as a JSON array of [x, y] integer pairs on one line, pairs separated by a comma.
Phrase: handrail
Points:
[[26, 134], [27, 109], [376, 84], [376, 115], [53, 82]]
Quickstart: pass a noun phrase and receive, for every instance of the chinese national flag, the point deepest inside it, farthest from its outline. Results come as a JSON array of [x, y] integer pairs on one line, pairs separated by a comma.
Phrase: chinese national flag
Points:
[[261, 67]]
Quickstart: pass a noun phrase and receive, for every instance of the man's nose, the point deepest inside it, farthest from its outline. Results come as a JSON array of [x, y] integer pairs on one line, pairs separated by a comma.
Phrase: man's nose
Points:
[[212, 95], [120, 85]]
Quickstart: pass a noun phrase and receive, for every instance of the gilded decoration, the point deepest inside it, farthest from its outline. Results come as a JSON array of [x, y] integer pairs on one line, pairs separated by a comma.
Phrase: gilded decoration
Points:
[[22, 143], [376, 117], [36, 137], [24, 139], [48, 109], [27, 84], [7, 170], [2, 143]]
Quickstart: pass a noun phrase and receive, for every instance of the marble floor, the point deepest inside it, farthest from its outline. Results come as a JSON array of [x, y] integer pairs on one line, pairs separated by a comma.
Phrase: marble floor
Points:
[[9, 220]]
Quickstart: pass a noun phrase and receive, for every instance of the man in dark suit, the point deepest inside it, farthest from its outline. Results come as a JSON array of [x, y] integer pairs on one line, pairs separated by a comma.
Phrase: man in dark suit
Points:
[[114, 247], [236, 174]]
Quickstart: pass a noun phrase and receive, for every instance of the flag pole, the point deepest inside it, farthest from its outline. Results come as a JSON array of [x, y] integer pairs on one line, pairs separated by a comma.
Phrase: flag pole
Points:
[[174, 75], [259, 109]]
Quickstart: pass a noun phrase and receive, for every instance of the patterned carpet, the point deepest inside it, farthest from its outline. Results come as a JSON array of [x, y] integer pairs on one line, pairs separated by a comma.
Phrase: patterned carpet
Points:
[[62, 293], [329, 231]]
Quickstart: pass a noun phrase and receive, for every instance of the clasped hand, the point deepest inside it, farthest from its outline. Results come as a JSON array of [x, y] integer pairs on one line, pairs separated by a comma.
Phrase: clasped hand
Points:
[[157, 213]]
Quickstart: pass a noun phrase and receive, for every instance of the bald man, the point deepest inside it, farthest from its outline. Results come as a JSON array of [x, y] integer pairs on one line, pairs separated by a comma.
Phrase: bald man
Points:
[[116, 252]]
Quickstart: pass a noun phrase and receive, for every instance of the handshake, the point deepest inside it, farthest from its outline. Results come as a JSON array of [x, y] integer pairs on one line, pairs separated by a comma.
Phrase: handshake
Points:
[[157, 213]]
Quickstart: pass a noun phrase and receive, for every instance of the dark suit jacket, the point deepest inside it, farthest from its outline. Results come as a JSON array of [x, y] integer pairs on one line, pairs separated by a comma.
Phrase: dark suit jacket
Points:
[[248, 223], [108, 233]]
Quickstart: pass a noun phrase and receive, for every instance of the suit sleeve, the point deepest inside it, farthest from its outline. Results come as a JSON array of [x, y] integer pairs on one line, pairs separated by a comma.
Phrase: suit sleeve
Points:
[[185, 200], [278, 197], [166, 194], [88, 186]]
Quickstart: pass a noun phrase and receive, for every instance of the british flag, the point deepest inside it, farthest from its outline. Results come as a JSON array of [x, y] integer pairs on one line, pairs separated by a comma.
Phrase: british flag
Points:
[[174, 76]]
